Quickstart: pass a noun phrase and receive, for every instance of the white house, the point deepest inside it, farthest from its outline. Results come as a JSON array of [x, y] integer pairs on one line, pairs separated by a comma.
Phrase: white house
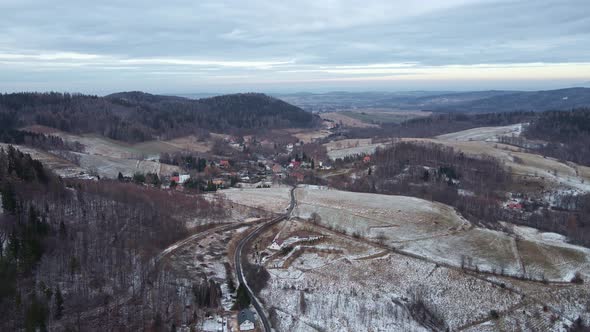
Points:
[[276, 245], [182, 178], [246, 320]]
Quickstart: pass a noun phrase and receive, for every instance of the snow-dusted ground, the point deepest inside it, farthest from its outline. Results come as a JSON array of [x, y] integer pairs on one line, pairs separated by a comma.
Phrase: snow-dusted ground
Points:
[[351, 147], [560, 175], [110, 167], [354, 289], [406, 218], [483, 133], [360, 150], [430, 230], [58, 165], [275, 199], [358, 290]]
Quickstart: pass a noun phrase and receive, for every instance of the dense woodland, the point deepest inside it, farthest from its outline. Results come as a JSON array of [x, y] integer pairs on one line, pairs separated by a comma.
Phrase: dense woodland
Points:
[[76, 252], [573, 222], [136, 116], [566, 133]]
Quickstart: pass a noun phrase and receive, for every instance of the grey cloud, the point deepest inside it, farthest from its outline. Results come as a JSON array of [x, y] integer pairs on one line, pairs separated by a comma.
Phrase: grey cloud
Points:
[[131, 38]]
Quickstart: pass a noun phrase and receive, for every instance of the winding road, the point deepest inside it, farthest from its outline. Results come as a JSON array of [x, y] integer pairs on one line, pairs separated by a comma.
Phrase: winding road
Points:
[[239, 254]]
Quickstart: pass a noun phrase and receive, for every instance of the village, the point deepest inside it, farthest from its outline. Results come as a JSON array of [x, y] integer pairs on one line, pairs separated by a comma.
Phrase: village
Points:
[[254, 175]]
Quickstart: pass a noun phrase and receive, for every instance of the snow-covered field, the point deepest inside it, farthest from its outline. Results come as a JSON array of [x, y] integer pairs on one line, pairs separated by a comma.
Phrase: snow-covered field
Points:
[[353, 287], [60, 166], [483, 133], [430, 230], [370, 215], [275, 199], [351, 147]]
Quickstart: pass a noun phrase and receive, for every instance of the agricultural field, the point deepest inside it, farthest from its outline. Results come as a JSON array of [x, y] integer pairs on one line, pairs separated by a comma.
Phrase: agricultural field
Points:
[[308, 136], [107, 158], [60, 166], [275, 199], [351, 147], [483, 133], [436, 232], [372, 116], [345, 120], [181, 144]]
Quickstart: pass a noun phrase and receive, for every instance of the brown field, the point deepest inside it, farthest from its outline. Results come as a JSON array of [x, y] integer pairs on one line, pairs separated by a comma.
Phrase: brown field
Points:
[[346, 121], [307, 135]]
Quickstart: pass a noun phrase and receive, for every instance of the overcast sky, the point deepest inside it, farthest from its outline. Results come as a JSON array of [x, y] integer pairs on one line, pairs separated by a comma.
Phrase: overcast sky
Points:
[[186, 46]]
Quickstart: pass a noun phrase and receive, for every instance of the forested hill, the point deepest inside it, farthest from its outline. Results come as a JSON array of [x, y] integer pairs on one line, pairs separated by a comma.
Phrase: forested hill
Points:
[[242, 110], [566, 134], [537, 101], [138, 116]]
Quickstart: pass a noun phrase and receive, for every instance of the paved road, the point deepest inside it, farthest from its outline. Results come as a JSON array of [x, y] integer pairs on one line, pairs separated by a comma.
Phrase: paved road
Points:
[[238, 260]]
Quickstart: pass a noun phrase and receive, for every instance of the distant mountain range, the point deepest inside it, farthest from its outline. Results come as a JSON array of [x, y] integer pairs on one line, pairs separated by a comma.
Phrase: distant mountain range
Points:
[[475, 101], [563, 99]]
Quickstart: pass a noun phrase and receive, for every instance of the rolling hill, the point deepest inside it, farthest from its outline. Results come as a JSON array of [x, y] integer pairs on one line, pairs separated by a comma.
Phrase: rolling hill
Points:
[[538, 101], [137, 116]]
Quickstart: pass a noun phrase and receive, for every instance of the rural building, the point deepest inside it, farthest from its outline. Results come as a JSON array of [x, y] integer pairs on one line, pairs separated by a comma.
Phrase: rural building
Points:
[[299, 176], [221, 183], [246, 320], [367, 159], [224, 164], [276, 244], [515, 206], [276, 168], [182, 178]]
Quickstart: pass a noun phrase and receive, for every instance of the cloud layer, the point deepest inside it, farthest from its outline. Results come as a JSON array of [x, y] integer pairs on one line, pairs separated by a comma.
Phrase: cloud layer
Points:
[[213, 45]]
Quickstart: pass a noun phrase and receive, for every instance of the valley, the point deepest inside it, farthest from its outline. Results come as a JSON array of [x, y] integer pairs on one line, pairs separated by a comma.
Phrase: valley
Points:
[[469, 230]]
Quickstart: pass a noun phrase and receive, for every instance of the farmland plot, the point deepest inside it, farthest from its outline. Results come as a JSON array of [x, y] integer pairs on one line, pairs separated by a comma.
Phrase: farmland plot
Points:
[[351, 147], [430, 230]]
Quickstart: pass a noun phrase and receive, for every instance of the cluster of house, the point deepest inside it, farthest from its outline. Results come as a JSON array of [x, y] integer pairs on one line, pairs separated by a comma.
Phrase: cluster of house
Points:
[[516, 202], [245, 319]]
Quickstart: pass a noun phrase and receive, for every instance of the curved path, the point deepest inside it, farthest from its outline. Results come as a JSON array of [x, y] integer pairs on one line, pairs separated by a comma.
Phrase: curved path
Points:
[[239, 254]]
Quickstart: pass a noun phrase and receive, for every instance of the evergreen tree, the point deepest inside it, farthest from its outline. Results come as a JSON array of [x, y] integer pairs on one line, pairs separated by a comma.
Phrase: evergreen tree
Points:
[[9, 202], [59, 304], [242, 298]]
